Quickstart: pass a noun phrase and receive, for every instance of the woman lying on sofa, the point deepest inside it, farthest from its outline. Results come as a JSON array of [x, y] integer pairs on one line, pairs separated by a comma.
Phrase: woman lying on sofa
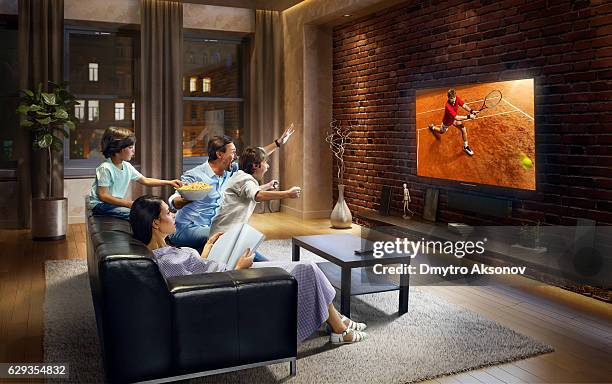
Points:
[[152, 221]]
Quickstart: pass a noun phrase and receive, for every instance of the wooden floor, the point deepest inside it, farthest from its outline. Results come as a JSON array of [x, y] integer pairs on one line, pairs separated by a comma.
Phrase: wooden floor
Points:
[[579, 328]]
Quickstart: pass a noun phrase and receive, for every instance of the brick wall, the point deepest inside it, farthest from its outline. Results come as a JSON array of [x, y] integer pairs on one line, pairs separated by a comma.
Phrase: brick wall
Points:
[[380, 60]]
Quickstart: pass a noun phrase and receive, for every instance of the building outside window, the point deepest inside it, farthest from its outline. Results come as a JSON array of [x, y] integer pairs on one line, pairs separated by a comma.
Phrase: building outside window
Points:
[[93, 110], [9, 91], [211, 111], [119, 111], [93, 71], [206, 83], [101, 68], [79, 110]]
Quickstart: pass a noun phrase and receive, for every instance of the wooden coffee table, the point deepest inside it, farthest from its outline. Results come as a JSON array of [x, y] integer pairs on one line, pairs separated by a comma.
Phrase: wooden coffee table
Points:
[[339, 250]]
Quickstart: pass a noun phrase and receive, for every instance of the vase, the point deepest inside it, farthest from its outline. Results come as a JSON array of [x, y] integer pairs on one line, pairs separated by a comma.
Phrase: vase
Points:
[[341, 215], [49, 218]]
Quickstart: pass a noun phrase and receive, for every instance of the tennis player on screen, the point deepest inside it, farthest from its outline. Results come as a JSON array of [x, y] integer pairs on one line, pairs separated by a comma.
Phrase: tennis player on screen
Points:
[[451, 107]]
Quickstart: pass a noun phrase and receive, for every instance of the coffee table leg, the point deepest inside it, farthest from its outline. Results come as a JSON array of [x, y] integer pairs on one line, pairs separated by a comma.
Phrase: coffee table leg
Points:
[[295, 253], [403, 294], [345, 292]]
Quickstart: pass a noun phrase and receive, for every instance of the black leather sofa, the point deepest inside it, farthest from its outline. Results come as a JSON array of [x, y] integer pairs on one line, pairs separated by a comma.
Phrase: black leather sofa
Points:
[[152, 328]]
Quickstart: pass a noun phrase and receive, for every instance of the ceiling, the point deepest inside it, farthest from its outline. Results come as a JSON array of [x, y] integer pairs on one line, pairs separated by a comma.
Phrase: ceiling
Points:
[[276, 5]]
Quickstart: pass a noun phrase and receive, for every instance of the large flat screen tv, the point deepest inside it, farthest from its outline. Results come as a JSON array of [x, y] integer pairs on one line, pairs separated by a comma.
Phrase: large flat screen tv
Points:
[[500, 136]]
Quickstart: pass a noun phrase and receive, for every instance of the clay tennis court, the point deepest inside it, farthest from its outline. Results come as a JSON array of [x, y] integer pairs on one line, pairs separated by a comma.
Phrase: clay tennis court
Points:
[[498, 136]]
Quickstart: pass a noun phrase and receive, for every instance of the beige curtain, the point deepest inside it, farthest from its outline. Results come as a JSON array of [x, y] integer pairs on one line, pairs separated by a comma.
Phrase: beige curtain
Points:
[[41, 31], [161, 99], [265, 90]]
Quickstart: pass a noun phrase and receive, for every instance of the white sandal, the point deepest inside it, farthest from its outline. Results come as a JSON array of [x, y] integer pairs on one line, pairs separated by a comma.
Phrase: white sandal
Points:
[[338, 338], [354, 325], [351, 325]]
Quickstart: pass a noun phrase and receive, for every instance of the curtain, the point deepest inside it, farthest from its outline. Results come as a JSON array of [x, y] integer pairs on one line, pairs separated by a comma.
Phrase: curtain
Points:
[[161, 102], [265, 91], [41, 31]]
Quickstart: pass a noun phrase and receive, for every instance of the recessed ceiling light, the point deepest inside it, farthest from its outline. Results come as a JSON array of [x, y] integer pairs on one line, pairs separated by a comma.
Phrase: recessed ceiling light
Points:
[[347, 15]]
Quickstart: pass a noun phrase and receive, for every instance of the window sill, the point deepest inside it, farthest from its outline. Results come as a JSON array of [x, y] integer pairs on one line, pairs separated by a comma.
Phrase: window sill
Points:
[[8, 174], [85, 172]]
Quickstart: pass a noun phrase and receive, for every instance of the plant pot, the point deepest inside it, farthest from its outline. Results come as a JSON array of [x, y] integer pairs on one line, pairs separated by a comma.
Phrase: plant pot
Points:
[[49, 218], [341, 216]]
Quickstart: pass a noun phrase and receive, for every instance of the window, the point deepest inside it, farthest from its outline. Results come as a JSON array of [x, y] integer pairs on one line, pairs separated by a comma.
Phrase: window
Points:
[[79, 110], [211, 111], [93, 71], [102, 71], [93, 110], [206, 85], [120, 111], [9, 91]]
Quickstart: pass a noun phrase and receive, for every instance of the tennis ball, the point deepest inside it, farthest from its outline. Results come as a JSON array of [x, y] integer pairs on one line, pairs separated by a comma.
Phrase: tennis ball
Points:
[[526, 162]]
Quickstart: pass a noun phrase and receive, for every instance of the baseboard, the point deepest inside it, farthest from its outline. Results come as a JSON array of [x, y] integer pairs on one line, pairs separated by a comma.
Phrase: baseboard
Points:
[[9, 224], [79, 219]]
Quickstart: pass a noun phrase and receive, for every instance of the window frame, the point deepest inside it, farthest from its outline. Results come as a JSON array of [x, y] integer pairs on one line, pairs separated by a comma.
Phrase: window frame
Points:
[[242, 42], [78, 168], [8, 169]]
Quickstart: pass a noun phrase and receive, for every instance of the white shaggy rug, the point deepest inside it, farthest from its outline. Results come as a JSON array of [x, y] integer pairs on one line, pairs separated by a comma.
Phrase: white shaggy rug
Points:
[[433, 339]]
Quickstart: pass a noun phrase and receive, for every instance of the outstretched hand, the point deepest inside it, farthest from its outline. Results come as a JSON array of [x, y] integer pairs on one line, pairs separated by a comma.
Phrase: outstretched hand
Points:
[[209, 244], [294, 192], [272, 184], [286, 135], [175, 183]]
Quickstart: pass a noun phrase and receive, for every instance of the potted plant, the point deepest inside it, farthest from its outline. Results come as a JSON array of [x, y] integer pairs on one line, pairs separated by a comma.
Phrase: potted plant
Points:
[[50, 117], [338, 137]]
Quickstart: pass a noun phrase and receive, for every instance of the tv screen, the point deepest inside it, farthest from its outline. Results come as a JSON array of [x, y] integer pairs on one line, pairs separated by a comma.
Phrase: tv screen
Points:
[[499, 133]]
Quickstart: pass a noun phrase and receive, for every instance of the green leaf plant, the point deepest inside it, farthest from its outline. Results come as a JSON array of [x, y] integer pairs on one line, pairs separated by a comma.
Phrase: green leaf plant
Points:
[[50, 117]]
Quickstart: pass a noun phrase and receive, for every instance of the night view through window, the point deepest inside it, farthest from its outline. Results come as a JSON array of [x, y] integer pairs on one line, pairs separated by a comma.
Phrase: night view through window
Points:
[[212, 94], [102, 76]]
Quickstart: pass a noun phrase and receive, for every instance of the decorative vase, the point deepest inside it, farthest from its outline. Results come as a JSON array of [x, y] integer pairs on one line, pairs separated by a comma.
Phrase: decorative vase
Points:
[[341, 215]]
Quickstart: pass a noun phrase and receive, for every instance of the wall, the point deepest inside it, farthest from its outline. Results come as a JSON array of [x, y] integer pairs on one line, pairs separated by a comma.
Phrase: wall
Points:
[[195, 16], [380, 60], [306, 160], [111, 11]]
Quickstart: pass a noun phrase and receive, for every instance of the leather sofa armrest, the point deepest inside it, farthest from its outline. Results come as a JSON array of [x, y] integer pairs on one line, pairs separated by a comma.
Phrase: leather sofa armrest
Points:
[[232, 318], [181, 284]]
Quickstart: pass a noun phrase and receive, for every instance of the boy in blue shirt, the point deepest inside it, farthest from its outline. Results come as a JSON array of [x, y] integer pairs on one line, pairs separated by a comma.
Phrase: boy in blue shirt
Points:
[[113, 176]]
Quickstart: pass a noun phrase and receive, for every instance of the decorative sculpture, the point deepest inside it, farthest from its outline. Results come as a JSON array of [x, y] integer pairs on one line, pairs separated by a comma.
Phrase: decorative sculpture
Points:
[[407, 201]]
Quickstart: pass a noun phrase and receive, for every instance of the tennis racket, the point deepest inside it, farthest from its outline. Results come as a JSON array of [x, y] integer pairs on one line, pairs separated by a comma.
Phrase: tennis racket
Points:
[[491, 100]]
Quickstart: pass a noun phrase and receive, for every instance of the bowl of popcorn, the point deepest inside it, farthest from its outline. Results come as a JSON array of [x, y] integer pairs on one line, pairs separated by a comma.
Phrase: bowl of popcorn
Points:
[[194, 191]]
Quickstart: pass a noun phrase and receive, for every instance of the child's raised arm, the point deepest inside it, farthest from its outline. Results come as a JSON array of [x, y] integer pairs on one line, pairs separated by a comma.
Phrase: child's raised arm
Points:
[[291, 193]]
